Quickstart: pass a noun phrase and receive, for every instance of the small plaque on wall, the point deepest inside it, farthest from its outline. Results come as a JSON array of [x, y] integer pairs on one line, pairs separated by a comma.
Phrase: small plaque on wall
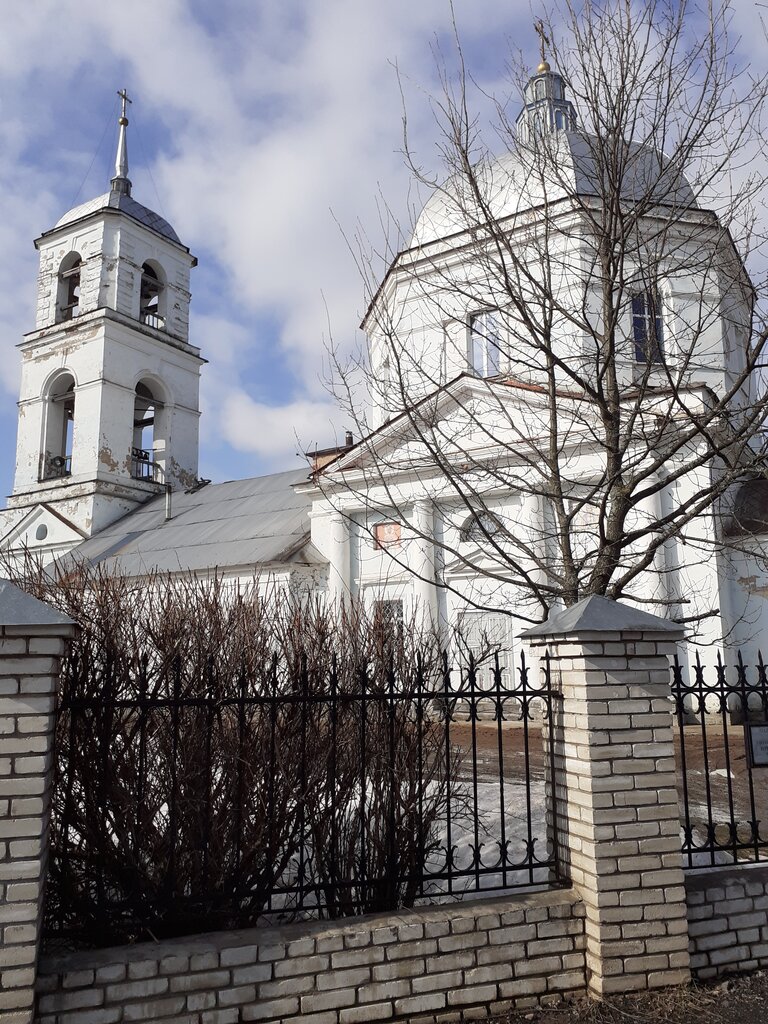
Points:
[[758, 745]]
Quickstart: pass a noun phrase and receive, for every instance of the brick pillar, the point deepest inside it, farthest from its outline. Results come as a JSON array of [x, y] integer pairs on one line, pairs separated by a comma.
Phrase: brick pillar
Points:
[[616, 801], [32, 639]]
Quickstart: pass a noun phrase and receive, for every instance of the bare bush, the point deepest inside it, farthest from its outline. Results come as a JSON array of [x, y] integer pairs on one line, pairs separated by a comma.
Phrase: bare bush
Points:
[[224, 755]]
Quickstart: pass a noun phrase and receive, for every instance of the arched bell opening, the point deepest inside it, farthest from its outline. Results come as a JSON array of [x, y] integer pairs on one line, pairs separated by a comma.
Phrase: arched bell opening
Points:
[[148, 444], [68, 289], [56, 457], [152, 296]]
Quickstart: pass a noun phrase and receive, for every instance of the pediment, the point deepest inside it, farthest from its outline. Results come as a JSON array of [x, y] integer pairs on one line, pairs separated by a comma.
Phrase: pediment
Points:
[[466, 416], [41, 528]]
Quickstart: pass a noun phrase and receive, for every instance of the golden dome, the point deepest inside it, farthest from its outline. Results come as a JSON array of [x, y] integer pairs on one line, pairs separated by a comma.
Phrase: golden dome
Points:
[[543, 66]]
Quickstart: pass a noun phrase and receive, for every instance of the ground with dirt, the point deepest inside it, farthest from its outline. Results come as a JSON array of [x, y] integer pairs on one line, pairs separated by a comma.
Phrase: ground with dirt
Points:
[[742, 1000]]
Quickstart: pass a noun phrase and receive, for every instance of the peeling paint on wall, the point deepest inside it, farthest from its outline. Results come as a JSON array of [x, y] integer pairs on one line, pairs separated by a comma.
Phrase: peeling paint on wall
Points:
[[184, 476], [107, 459]]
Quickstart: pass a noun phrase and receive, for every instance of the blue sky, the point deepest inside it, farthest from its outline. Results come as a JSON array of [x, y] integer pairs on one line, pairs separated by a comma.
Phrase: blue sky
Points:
[[255, 128], [260, 130]]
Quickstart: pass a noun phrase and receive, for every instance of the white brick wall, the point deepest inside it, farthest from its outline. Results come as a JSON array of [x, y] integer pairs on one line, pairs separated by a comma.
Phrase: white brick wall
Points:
[[28, 676], [441, 963], [616, 801], [728, 919]]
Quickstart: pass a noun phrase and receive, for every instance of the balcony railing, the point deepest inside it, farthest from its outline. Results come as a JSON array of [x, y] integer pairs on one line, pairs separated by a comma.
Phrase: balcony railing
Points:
[[53, 467], [153, 320], [143, 467]]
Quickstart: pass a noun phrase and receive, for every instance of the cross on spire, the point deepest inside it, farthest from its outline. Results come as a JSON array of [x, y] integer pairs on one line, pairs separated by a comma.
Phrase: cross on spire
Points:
[[121, 182], [126, 99]]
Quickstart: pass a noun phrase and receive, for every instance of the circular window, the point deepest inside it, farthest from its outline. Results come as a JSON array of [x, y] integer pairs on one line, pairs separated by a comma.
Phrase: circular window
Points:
[[41, 532]]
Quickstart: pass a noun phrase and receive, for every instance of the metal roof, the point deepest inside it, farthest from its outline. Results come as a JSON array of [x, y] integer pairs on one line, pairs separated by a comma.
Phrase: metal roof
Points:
[[259, 521], [597, 614], [126, 204]]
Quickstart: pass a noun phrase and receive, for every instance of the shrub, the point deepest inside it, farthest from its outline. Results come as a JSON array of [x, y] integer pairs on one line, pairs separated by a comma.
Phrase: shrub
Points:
[[226, 753]]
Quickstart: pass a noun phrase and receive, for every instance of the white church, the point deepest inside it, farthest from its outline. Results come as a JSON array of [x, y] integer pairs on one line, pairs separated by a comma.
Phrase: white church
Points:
[[107, 449]]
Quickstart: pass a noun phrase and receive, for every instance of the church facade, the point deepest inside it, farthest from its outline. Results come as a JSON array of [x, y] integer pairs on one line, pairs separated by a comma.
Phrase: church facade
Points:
[[440, 511]]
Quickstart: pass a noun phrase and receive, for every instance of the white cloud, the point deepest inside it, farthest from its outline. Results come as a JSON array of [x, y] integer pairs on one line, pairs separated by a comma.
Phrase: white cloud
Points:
[[277, 434]]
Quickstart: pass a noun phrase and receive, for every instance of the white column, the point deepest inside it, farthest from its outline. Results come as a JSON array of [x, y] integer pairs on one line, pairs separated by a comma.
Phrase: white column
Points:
[[422, 562], [534, 532], [339, 575]]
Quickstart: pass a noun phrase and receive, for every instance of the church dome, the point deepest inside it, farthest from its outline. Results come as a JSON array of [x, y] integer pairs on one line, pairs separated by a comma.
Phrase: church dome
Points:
[[554, 160], [125, 203]]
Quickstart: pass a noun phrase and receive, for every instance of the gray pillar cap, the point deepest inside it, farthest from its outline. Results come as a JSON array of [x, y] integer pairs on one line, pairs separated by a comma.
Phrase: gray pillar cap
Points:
[[17, 608], [596, 614]]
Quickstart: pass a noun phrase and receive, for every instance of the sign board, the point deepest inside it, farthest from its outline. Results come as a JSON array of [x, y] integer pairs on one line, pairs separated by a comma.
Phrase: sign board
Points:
[[758, 745]]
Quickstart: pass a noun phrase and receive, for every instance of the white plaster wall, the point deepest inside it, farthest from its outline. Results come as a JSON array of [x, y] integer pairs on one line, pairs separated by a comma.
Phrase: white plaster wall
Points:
[[87, 239], [687, 578], [423, 309], [113, 248], [107, 359]]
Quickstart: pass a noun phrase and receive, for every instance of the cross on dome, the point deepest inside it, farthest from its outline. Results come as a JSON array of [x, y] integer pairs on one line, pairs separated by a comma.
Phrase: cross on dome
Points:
[[543, 41], [546, 110]]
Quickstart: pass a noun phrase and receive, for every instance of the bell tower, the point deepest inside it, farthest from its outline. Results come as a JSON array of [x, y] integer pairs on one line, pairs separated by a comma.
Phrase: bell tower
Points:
[[109, 401]]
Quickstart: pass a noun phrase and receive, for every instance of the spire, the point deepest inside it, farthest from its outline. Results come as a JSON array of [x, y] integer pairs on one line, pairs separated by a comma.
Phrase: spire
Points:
[[121, 182]]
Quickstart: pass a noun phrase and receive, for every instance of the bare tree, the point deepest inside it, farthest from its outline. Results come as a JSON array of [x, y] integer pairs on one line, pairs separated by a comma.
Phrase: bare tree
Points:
[[565, 360]]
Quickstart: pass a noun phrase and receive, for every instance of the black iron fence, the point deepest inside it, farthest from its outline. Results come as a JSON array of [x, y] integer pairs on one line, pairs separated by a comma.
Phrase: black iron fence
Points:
[[722, 761], [187, 802]]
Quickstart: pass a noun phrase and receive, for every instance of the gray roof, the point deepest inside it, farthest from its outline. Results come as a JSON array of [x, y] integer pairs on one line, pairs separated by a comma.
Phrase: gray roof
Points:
[[254, 522], [525, 179], [646, 173], [18, 608], [595, 614], [126, 204]]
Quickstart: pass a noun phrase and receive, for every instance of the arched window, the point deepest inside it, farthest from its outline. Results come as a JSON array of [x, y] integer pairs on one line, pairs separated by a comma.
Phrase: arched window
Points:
[[558, 119], [56, 458], [68, 291], [540, 89], [152, 297], [146, 451], [647, 327], [479, 527]]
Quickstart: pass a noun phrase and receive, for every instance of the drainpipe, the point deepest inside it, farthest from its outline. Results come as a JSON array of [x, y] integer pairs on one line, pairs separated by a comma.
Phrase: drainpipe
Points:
[[168, 493]]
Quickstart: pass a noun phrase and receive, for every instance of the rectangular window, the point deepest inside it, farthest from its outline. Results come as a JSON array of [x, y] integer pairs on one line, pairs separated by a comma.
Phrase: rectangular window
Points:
[[647, 327], [390, 614], [485, 337], [386, 535]]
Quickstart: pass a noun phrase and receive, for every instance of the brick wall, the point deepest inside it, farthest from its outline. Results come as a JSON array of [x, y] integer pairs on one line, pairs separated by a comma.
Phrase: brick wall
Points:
[[728, 919], [442, 961], [29, 665], [617, 812]]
